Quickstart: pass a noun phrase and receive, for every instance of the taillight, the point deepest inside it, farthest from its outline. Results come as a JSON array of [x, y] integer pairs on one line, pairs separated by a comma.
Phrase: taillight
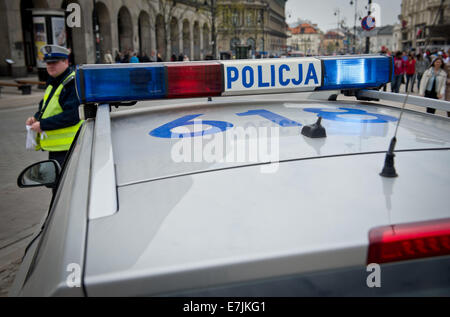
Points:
[[409, 241]]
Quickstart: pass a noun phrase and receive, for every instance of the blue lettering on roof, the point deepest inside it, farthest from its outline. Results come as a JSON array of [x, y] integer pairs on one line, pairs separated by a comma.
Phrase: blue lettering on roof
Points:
[[326, 113]]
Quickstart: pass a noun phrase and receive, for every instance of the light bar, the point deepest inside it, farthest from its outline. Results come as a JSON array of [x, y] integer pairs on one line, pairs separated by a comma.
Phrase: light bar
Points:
[[100, 83], [362, 72], [409, 241], [134, 82], [194, 80]]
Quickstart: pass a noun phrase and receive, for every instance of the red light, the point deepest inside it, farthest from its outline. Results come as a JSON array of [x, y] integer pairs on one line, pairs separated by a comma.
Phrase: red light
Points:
[[409, 241], [194, 79]]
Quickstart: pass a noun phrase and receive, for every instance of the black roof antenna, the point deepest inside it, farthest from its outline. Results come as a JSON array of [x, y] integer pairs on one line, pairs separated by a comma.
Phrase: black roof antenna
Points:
[[389, 168]]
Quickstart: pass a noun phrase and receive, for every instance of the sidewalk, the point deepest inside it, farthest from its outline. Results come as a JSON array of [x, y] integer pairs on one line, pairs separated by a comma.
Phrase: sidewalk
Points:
[[11, 97]]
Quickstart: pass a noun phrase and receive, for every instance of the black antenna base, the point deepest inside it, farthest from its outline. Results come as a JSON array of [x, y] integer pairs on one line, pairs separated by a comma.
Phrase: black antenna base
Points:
[[389, 168], [315, 130]]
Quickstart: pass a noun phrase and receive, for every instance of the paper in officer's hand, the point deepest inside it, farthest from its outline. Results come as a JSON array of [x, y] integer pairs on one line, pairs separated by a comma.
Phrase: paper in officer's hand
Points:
[[31, 138]]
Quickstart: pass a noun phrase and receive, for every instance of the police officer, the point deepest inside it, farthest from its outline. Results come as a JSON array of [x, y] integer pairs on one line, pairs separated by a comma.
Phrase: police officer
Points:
[[57, 120]]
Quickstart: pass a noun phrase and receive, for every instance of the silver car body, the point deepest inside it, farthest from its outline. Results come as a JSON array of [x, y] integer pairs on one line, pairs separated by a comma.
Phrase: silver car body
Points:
[[140, 224]]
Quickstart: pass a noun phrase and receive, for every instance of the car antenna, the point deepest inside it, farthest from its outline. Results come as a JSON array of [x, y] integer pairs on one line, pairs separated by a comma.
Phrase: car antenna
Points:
[[389, 168]]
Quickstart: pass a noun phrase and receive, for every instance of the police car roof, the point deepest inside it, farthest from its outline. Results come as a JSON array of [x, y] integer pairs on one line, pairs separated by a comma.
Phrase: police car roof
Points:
[[177, 228], [150, 157]]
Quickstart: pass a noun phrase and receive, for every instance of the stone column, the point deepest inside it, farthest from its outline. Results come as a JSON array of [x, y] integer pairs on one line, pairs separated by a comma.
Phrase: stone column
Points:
[[11, 41], [169, 41], [180, 37], [152, 33], [202, 53], [191, 37]]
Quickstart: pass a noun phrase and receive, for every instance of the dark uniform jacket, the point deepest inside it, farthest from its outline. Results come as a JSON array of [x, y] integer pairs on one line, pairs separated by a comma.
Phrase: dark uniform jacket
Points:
[[69, 103]]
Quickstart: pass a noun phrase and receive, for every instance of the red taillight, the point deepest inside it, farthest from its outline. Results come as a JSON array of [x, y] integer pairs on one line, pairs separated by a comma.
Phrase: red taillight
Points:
[[409, 241], [194, 79]]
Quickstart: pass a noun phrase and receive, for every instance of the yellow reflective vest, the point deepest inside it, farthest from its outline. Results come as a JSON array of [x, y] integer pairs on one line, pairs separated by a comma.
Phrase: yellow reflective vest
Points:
[[59, 139]]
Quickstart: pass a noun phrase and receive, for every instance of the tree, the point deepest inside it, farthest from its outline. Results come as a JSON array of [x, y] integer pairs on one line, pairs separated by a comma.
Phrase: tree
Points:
[[226, 18], [331, 47], [167, 10]]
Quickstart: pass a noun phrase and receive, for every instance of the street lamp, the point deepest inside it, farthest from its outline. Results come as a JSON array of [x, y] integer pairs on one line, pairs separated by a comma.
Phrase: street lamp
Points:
[[354, 25], [212, 6], [261, 22], [368, 38], [96, 34]]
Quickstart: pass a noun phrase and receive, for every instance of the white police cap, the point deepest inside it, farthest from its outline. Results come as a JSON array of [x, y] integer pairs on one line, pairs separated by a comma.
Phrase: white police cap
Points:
[[53, 53]]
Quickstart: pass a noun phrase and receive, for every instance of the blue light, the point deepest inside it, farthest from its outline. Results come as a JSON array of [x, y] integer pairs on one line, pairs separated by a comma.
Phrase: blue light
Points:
[[110, 83], [356, 72]]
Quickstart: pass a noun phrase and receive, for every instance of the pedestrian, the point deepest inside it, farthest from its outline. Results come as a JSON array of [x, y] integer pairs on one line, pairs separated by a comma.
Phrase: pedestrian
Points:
[[186, 58], [108, 58], [173, 58], [118, 57], [447, 89], [153, 56], [447, 58], [434, 82], [158, 58], [398, 72], [427, 56], [145, 58], [421, 66], [134, 58], [57, 120], [125, 57], [410, 69], [180, 57], [385, 51]]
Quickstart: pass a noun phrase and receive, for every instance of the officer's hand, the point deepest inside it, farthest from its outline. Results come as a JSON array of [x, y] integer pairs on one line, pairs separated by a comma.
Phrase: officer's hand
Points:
[[36, 127], [30, 121]]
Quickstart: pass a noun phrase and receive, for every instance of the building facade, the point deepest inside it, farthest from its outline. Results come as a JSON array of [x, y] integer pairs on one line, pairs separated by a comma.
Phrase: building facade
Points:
[[383, 37], [258, 25], [168, 27], [425, 24], [333, 42], [305, 38]]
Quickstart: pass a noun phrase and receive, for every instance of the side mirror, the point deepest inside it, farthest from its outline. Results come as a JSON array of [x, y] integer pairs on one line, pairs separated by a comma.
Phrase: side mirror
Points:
[[45, 173]]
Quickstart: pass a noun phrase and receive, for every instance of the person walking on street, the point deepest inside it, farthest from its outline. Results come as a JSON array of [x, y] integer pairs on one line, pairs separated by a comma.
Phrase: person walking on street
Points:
[[57, 120], [134, 58], [398, 73], [447, 89], [434, 82], [158, 58], [118, 57], [108, 58], [145, 58], [410, 69], [421, 66], [153, 56]]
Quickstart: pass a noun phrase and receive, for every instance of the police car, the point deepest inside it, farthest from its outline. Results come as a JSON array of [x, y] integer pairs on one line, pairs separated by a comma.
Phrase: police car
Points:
[[265, 185]]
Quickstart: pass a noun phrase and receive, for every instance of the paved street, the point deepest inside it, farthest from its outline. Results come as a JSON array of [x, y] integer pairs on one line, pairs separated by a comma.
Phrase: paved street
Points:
[[21, 211]]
